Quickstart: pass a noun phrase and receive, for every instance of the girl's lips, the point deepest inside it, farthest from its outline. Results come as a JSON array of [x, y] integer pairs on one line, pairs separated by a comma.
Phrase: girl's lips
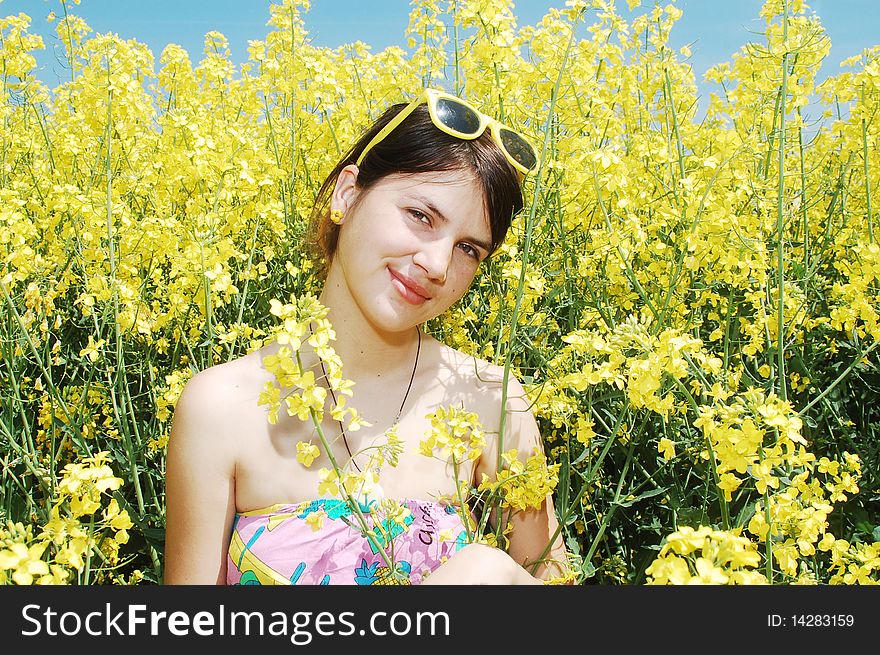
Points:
[[411, 291]]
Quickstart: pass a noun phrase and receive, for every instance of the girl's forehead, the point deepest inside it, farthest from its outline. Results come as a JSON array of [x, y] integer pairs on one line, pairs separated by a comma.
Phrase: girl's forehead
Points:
[[450, 193], [433, 179]]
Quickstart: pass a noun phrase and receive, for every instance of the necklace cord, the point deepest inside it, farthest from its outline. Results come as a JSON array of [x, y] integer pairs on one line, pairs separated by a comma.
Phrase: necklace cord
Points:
[[399, 411]]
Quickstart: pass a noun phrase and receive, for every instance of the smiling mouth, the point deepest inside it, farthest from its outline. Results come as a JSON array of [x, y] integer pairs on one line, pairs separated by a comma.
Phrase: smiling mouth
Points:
[[408, 293]]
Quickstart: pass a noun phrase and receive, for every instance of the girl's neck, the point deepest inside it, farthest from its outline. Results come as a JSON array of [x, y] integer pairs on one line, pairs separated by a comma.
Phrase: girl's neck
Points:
[[368, 353]]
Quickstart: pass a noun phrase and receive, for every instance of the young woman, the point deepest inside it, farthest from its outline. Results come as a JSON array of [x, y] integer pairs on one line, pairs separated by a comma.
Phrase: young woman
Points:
[[403, 223]]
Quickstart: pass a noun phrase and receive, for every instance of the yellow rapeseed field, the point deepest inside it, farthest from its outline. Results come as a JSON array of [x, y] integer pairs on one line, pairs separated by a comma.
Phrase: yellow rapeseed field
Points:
[[692, 304]]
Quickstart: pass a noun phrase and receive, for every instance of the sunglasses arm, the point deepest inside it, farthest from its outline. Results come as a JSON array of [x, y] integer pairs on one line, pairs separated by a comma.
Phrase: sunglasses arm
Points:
[[393, 123]]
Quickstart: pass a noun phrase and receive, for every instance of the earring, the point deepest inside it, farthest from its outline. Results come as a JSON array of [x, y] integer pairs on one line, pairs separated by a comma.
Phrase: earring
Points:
[[336, 216]]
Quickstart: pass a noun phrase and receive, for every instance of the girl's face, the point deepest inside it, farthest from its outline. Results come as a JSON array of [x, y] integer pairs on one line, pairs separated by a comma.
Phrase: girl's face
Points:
[[408, 247]]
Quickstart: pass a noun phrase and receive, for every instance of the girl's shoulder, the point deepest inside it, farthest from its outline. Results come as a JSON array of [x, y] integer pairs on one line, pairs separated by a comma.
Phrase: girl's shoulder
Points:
[[226, 385], [483, 377], [230, 374], [218, 406]]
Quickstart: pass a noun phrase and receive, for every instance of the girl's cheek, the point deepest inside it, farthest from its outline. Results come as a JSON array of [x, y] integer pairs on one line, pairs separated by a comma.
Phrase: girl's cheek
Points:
[[458, 288], [464, 278]]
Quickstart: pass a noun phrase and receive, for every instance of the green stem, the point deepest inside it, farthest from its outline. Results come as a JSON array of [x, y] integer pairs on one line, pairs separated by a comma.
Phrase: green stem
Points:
[[725, 513], [209, 305], [606, 520], [462, 505], [867, 178], [630, 274], [768, 519], [805, 225], [529, 228], [367, 532], [667, 91], [455, 49], [612, 438], [526, 249], [780, 221], [70, 57], [293, 107], [56, 395], [248, 268], [88, 565]]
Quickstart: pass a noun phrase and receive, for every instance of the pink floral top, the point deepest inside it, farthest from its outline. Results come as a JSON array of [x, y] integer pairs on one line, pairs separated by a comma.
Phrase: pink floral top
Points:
[[320, 542]]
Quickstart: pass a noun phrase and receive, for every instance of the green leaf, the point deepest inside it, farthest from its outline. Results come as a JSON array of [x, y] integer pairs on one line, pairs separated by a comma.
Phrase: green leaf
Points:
[[647, 494]]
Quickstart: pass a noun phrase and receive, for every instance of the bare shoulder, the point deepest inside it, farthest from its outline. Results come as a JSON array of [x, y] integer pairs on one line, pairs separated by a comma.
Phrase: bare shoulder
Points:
[[228, 379], [200, 473], [485, 380], [213, 399], [210, 388], [481, 385]]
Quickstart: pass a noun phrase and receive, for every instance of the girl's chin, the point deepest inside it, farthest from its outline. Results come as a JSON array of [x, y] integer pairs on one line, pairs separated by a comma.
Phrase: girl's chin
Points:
[[401, 317], [390, 317], [387, 311]]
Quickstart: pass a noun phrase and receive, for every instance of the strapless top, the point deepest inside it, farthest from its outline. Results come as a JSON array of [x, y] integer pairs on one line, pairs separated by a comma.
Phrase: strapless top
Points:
[[320, 542]]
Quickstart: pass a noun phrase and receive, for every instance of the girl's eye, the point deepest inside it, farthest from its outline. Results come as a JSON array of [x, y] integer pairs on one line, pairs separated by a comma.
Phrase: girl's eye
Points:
[[471, 251], [419, 216], [423, 219]]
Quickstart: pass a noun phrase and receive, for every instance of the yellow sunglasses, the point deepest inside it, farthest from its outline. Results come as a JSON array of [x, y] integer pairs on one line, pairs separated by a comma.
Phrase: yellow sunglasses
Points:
[[457, 118]]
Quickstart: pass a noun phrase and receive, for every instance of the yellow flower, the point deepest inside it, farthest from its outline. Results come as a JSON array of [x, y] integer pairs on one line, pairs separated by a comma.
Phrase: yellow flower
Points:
[[584, 430], [729, 483], [786, 556], [669, 569], [686, 540], [117, 518], [667, 448], [315, 520], [73, 552], [24, 562], [454, 434], [92, 349], [306, 453], [328, 484], [708, 573], [522, 485]]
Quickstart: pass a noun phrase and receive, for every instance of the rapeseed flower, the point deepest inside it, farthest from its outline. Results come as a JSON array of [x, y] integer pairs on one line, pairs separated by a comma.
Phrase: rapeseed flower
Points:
[[678, 284]]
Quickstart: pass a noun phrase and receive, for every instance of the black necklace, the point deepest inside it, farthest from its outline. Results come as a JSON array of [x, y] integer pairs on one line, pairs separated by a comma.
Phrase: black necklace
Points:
[[399, 411]]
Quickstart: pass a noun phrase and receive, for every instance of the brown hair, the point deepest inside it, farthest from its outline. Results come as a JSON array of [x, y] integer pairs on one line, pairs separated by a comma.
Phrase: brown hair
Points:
[[417, 146]]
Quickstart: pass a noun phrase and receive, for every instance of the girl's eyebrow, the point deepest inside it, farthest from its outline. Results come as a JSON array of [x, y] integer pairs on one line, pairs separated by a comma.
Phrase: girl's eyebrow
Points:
[[434, 210]]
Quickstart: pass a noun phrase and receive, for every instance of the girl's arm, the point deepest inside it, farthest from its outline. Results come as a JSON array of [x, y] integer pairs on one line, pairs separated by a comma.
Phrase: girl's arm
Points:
[[199, 486], [478, 564], [531, 529]]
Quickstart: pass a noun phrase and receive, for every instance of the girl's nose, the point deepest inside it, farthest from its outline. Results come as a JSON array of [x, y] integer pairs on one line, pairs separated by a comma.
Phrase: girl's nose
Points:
[[434, 258]]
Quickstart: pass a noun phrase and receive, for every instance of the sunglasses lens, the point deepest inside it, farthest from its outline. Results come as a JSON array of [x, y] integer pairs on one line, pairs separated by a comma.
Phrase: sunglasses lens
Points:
[[518, 148], [457, 117]]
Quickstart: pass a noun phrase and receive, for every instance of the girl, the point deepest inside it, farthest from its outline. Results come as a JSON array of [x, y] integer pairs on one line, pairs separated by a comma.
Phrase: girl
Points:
[[402, 223]]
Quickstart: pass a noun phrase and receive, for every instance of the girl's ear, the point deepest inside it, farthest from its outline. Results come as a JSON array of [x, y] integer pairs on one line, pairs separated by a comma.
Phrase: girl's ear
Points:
[[345, 192]]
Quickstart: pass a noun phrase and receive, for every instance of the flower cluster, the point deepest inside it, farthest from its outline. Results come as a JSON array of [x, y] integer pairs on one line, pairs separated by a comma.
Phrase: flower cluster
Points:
[[522, 485], [455, 435], [795, 519], [21, 558], [301, 391], [706, 556], [852, 563], [77, 540], [690, 299]]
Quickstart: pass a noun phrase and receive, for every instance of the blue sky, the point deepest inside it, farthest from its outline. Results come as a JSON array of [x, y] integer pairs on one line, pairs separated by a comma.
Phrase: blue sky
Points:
[[715, 29]]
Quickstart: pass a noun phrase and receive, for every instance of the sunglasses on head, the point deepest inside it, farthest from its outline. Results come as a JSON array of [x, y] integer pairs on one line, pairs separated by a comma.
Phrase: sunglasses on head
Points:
[[459, 119]]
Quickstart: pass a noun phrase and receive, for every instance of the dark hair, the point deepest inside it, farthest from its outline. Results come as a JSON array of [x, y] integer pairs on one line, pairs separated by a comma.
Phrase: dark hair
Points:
[[417, 146]]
